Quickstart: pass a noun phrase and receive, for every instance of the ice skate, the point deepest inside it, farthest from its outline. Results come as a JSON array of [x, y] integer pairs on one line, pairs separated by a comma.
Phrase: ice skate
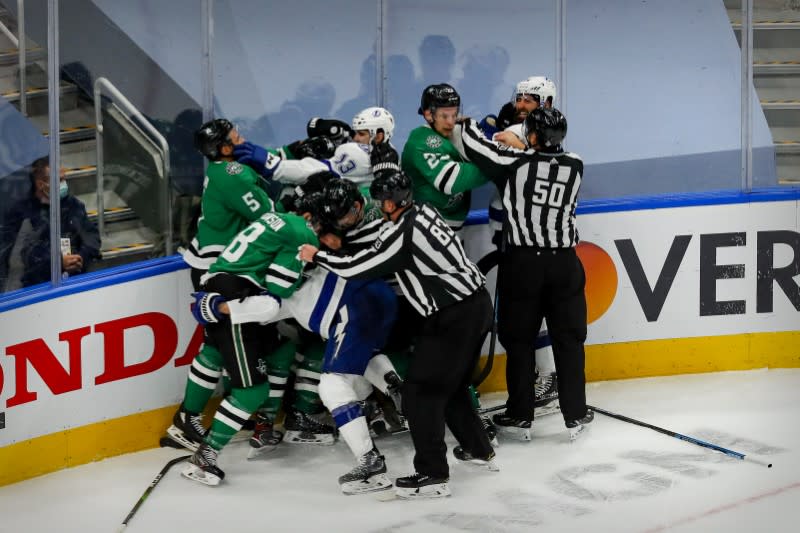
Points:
[[421, 486], [490, 429], [486, 462], [265, 437], [187, 430], [578, 427], [546, 391], [303, 429], [203, 467], [369, 475], [394, 385], [513, 427]]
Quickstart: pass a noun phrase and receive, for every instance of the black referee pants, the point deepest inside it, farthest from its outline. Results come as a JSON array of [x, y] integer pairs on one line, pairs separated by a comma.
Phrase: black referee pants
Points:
[[536, 283], [436, 392]]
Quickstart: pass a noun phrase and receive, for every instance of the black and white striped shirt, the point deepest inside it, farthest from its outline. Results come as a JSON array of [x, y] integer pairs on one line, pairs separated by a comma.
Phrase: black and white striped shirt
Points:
[[423, 253], [539, 189]]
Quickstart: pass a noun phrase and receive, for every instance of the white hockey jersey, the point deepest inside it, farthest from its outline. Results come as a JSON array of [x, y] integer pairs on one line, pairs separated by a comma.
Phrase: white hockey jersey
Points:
[[314, 305], [350, 160]]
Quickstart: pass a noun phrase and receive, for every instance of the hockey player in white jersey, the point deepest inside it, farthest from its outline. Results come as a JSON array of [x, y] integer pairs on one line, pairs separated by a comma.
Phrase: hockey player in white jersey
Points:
[[372, 127]]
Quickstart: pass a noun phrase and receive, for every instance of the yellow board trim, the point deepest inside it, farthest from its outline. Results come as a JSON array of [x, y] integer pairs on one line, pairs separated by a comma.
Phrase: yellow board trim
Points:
[[73, 447], [667, 357]]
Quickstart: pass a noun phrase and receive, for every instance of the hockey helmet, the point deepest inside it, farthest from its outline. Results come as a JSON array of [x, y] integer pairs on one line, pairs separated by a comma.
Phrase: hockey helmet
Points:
[[211, 135], [549, 125], [339, 199], [375, 119], [439, 95], [395, 186], [310, 203], [539, 87]]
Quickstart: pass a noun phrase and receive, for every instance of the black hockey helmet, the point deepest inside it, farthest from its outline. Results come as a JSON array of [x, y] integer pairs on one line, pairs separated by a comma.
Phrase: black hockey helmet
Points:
[[438, 95], [549, 125], [311, 203], [339, 197], [211, 136], [394, 186]]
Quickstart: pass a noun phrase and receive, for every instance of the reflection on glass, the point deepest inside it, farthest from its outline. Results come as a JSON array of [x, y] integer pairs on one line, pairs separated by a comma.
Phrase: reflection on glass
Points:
[[140, 176], [26, 232], [320, 64], [477, 51], [24, 227]]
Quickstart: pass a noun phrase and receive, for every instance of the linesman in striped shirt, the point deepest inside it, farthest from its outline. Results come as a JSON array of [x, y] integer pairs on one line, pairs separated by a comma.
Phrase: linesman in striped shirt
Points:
[[540, 275], [448, 290]]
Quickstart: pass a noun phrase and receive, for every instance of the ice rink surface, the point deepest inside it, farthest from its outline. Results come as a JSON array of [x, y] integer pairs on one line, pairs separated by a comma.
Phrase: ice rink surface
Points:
[[618, 477]]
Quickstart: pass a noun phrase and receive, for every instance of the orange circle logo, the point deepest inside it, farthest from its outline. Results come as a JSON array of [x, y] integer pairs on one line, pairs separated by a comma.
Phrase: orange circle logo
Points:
[[601, 279]]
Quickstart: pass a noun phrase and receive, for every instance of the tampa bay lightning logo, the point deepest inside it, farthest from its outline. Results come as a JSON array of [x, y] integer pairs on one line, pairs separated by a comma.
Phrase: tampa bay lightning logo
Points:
[[377, 113]]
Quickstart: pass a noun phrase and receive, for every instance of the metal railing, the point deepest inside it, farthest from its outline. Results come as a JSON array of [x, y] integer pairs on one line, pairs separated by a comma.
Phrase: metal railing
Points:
[[19, 41], [158, 142]]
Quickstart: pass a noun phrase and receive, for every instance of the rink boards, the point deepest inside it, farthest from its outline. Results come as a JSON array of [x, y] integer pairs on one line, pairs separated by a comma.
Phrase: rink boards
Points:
[[95, 369]]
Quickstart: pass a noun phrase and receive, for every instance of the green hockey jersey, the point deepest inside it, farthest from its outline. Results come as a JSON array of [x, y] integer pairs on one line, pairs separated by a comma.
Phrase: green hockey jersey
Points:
[[265, 252], [371, 210], [232, 198], [442, 179]]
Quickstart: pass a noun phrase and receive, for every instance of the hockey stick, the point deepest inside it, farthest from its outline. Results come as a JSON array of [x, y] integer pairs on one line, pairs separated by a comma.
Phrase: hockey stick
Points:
[[490, 259], [149, 489], [487, 410], [686, 438]]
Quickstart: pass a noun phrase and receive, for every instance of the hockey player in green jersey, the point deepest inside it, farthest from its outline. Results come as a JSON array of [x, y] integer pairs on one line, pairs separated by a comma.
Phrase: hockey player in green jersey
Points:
[[232, 194], [441, 177], [262, 258], [232, 199]]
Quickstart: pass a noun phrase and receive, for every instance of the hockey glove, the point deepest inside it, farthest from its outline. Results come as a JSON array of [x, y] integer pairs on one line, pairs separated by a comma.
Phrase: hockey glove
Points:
[[506, 117], [488, 125], [384, 159], [336, 130], [257, 158], [316, 147], [205, 308]]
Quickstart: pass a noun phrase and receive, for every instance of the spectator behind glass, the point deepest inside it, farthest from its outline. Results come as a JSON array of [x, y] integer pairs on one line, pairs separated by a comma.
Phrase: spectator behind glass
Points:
[[27, 232]]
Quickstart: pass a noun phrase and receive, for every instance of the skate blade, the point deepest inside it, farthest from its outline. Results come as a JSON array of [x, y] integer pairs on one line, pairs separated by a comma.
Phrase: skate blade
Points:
[[523, 434], [373, 484], [196, 473], [490, 465], [256, 453], [549, 409], [576, 432], [438, 490], [390, 432], [178, 440], [297, 437]]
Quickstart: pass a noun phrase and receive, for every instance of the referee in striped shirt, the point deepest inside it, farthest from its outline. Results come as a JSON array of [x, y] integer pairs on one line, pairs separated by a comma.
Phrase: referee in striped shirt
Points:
[[540, 275], [448, 290]]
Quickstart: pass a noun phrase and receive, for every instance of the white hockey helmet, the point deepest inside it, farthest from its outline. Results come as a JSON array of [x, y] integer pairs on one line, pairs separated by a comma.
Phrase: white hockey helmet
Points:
[[373, 119], [537, 86]]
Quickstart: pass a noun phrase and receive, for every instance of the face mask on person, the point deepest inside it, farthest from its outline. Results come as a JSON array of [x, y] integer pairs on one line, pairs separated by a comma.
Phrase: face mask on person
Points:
[[63, 189]]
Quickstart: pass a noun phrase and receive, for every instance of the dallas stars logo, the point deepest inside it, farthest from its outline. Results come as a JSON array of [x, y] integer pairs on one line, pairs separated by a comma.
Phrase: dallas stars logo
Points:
[[433, 141], [234, 168]]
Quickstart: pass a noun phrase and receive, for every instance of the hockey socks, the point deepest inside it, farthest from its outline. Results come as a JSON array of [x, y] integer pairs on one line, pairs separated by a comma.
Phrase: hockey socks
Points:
[[233, 412], [204, 375]]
